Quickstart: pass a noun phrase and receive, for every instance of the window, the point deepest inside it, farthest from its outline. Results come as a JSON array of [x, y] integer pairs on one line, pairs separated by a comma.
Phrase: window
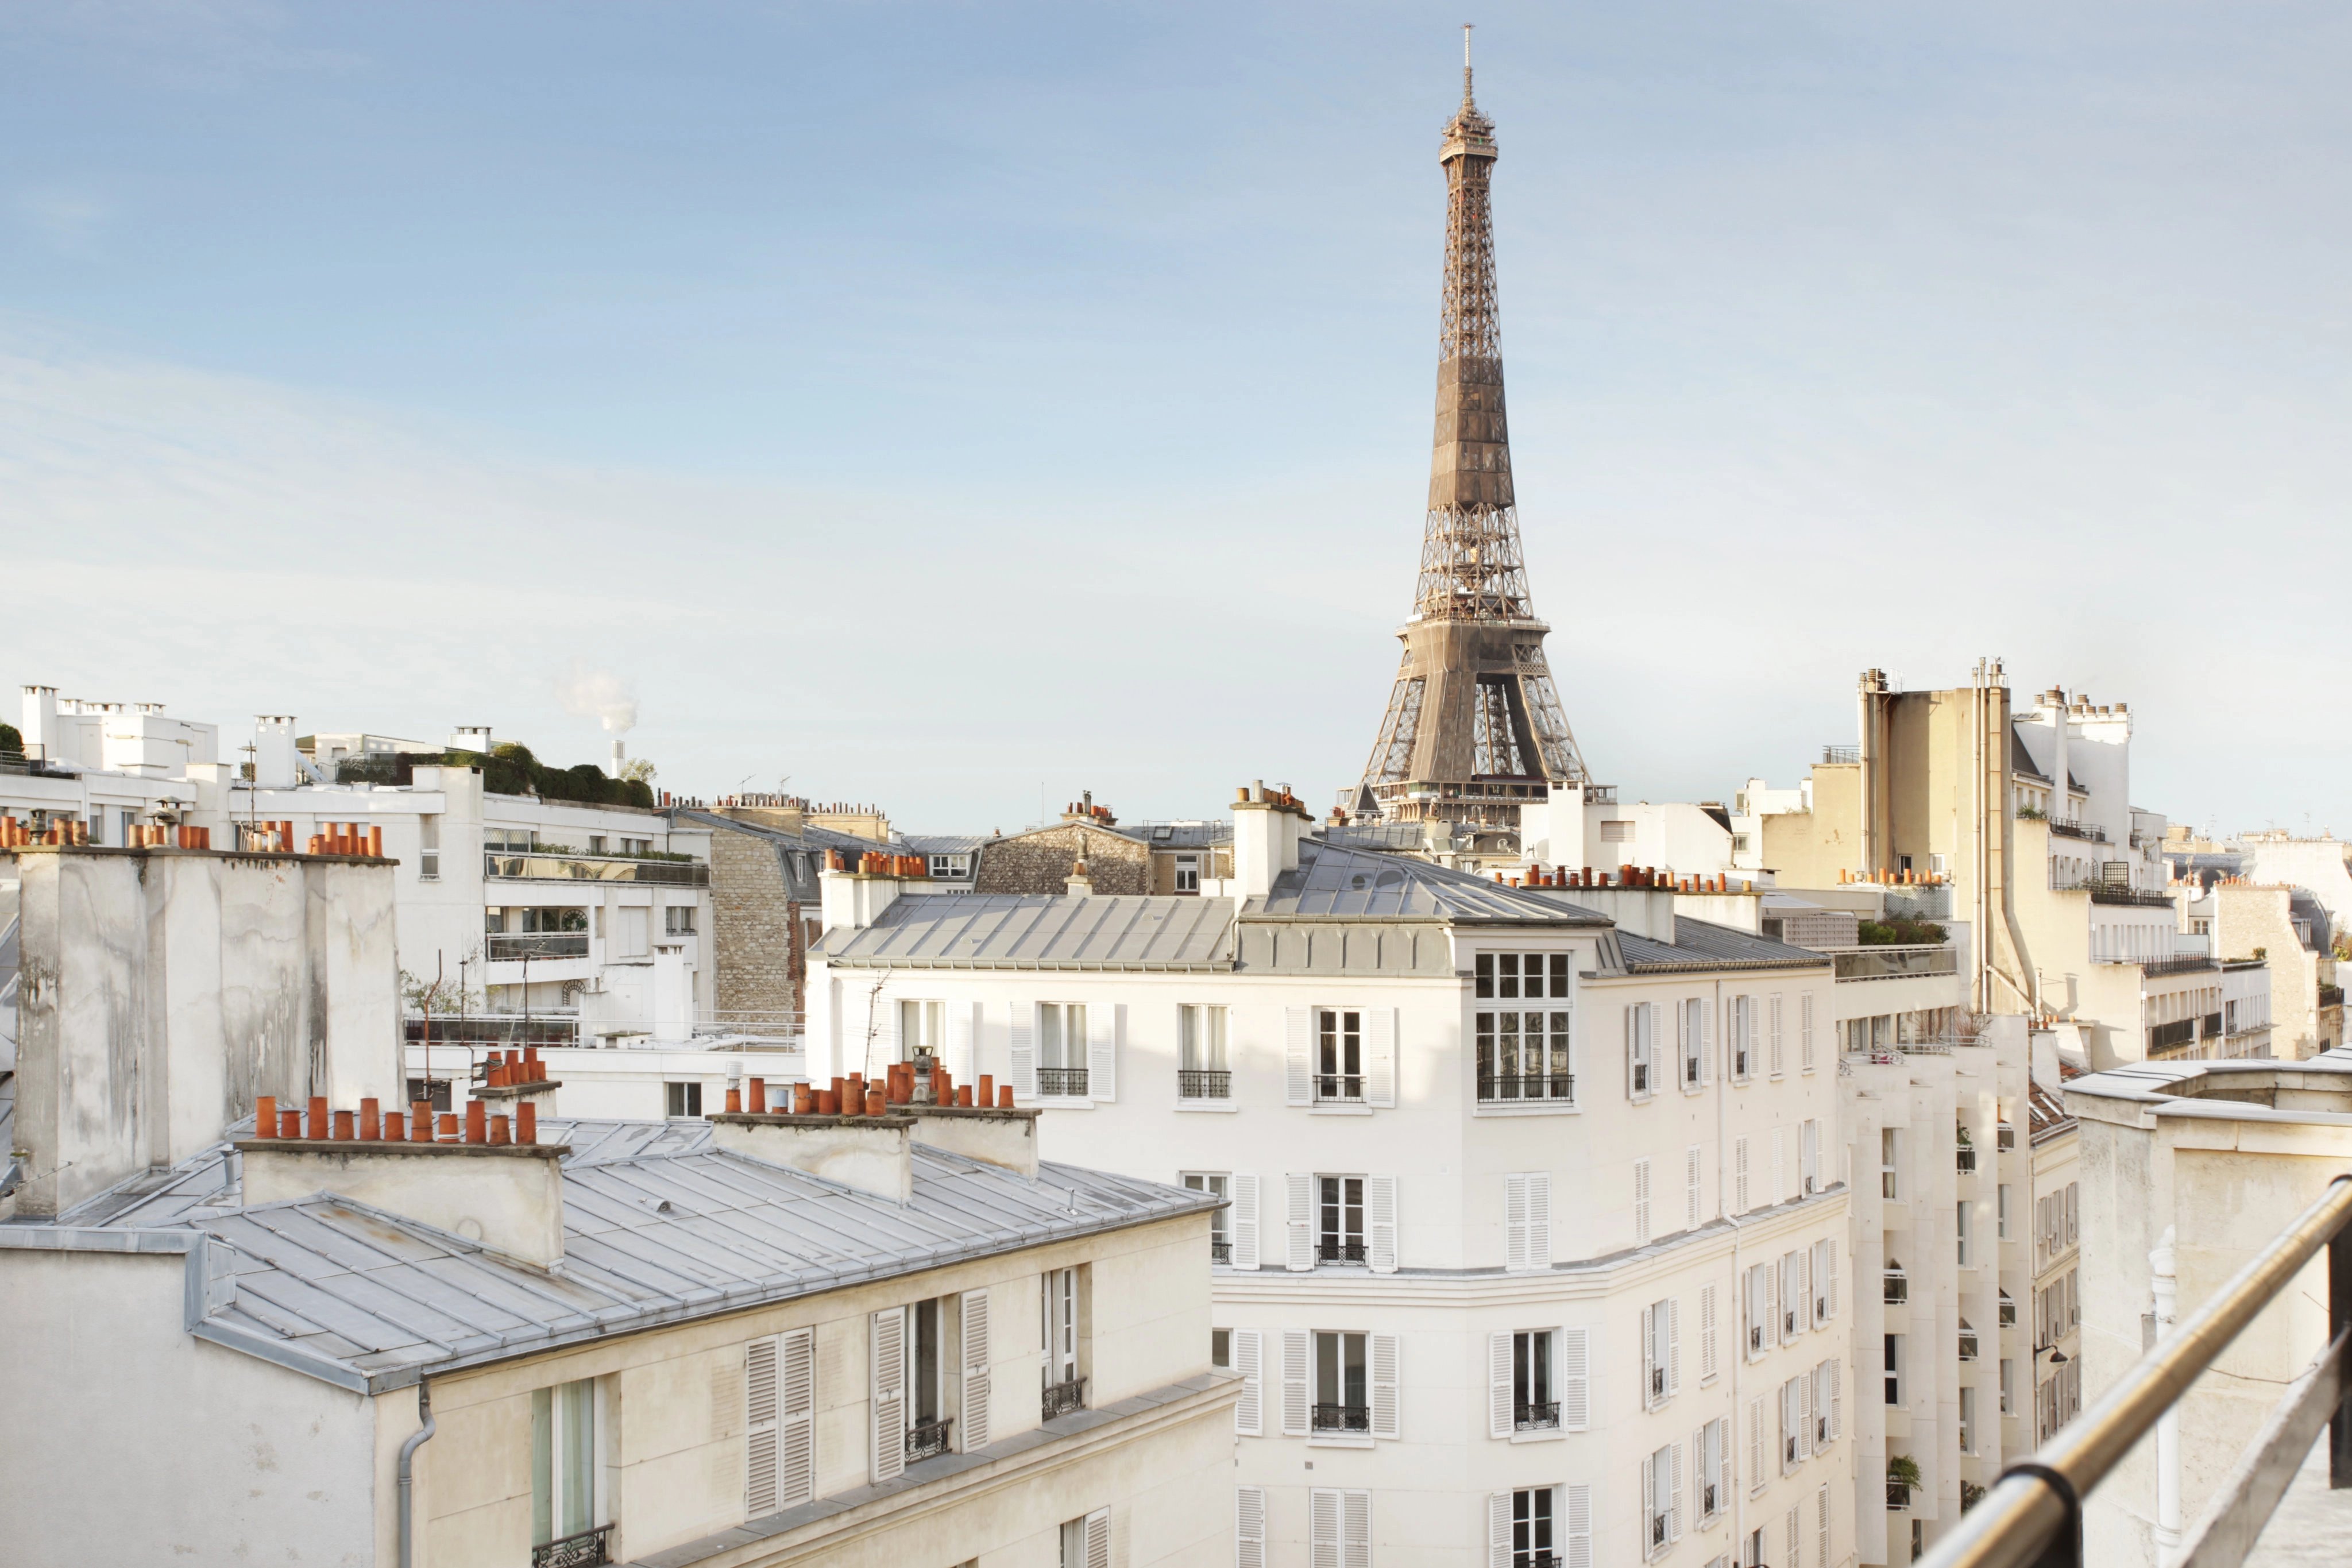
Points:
[[2008, 1386], [1762, 1326], [1201, 1072], [1964, 1232], [567, 1470], [1506, 975], [1339, 1525], [1641, 1050], [1693, 1014], [1739, 1174], [1062, 1048], [1796, 1295], [1808, 1154], [1743, 1038], [1890, 1147], [1895, 1369], [429, 848], [1064, 1389], [1220, 1349], [1523, 1057], [1968, 1419], [2008, 1311], [1690, 1186], [1339, 1219], [1616, 830], [1828, 1402], [1967, 1341], [1216, 1183], [1898, 1284], [685, 1098], [951, 867], [635, 925], [1714, 1488], [1796, 1422], [678, 919], [1824, 1281], [1086, 1540], [1342, 1396], [1661, 1352], [2000, 1211], [1339, 1055], [1534, 1401], [1188, 873], [926, 1385], [922, 1030], [1534, 1541], [1661, 1486]]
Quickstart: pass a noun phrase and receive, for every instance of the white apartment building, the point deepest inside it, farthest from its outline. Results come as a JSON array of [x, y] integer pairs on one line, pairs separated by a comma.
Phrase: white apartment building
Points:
[[1535, 1251], [110, 766]]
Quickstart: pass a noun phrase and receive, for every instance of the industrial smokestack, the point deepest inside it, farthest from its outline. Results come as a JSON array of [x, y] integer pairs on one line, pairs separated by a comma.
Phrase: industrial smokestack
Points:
[[620, 756]]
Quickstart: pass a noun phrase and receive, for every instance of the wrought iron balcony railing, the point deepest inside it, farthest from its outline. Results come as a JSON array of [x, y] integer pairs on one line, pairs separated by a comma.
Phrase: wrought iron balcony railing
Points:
[[1339, 1252], [1898, 1494], [925, 1438], [1340, 1418], [1523, 1088], [1061, 1398], [1065, 1083], [507, 946], [1964, 1160], [585, 1549], [1898, 1286], [1219, 1250], [1540, 1417], [1338, 1087], [1203, 1083]]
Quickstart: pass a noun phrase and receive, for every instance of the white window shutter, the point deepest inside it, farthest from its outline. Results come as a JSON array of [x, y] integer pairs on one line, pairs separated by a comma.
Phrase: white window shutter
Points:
[[1323, 1527], [1501, 1419], [1575, 1378], [1249, 1360], [1829, 1282], [1381, 1222], [888, 1401], [1499, 1530], [1515, 1223], [1756, 1471], [1633, 1051], [1805, 1033], [1387, 1377], [1674, 1496], [1540, 1219], [1837, 1398], [1380, 1057], [1301, 1252], [1691, 1187], [1649, 1499], [1649, 1357], [1673, 1345], [1355, 1529], [1295, 1349], [1245, 1221], [1299, 1049], [1577, 1514], [796, 1418], [1802, 1307], [1097, 1529], [1707, 1314], [1104, 1036], [978, 1386], [759, 1427], [1706, 1040], [1772, 1303], [1641, 1203], [1804, 1418], [1739, 1176], [1249, 1527], [1822, 1527], [1776, 1035], [1025, 1051]]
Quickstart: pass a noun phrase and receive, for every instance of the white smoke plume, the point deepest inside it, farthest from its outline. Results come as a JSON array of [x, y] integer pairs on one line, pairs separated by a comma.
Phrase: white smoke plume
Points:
[[598, 694]]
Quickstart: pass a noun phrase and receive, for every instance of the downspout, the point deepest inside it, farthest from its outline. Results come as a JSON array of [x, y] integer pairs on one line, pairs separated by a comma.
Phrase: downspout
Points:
[[416, 1440]]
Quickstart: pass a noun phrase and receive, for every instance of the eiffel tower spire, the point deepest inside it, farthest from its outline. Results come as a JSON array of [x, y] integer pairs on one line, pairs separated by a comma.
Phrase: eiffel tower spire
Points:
[[1474, 727]]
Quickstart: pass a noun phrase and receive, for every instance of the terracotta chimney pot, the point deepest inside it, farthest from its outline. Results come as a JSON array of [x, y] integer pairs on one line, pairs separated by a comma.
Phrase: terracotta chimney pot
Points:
[[526, 1122], [758, 1103], [343, 1131], [1004, 1097], [370, 1117], [319, 1120], [498, 1130], [265, 1115], [478, 1121], [734, 1102], [290, 1124]]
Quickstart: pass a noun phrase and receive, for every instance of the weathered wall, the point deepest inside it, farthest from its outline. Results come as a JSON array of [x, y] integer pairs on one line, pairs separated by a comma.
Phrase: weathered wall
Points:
[[1041, 862], [752, 919], [150, 1445]]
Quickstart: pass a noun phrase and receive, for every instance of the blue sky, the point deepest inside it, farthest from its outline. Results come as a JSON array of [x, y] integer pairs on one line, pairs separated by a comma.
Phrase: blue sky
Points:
[[961, 407]]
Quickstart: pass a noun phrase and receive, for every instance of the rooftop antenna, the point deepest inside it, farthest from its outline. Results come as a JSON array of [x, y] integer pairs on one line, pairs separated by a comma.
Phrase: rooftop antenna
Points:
[[1465, 60]]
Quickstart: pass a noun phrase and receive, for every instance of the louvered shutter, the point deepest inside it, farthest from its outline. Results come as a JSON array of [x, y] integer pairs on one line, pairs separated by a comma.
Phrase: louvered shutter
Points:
[[1294, 1348], [1642, 1203], [1025, 1051], [1804, 1418], [1829, 1279], [1380, 1057], [1649, 1358], [1776, 1035], [1540, 1219], [1249, 1360], [1575, 1378], [760, 1425], [1673, 1345], [1381, 1220], [1706, 1040], [1499, 1530], [1249, 1527], [1501, 1419], [1634, 1089], [1649, 1499], [1772, 1303], [1805, 1034], [1386, 1376], [963, 1042], [1245, 1222], [1756, 1471], [1515, 1223], [796, 1418], [1322, 1528], [1685, 1047], [1674, 1497], [1690, 1187], [1739, 1176], [888, 1401], [1576, 1513], [1803, 1306], [1098, 1529], [1822, 1527], [1105, 1036], [1299, 1049], [1301, 1254], [978, 1386], [1355, 1529], [1837, 1398], [1707, 1325]]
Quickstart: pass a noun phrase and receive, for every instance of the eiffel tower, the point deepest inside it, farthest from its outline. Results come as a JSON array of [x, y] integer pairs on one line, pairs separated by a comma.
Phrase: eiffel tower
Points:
[[1473, 729]]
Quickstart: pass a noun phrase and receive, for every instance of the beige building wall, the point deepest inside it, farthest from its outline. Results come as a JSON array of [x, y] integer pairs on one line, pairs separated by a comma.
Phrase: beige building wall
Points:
[[2249, 919]]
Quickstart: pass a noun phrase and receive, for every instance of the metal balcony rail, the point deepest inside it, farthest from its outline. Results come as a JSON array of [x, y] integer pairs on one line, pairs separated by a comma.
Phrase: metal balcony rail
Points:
[[1898, 1286], [2033, 1515], [1514, 1088], [1898, 1494], [2179, 963], [1203, 1083], [1339, 1252], [926, 1438], [1341, 1418], [542, 866], [2179, 1031], [1061, 1398], [1964, 1160], [1543, 1418], [509, 945], [584, 1550], [1893, 963], [2140, 897], [2082, 830], [1535, 1560], [1339, 1087], [1067, 1082], [1219, 1250], [1835, 755]]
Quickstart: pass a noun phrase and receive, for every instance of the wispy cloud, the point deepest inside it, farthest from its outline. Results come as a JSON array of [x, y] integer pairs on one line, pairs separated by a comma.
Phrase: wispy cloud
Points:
[[67, 221]]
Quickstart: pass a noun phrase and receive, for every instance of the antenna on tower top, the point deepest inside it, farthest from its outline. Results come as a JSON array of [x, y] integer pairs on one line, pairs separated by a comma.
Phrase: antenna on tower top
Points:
[[1465, 60]]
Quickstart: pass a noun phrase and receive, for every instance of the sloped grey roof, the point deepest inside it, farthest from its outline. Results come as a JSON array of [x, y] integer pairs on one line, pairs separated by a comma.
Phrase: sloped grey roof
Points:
[[943, 843], [1010, 931], [1703, 944], [811, 836], [658, 1227], [1337, 881]]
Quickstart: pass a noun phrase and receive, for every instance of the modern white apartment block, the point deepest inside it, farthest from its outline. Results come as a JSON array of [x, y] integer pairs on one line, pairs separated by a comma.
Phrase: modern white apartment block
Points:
[[1536, 1251], [107, 766]]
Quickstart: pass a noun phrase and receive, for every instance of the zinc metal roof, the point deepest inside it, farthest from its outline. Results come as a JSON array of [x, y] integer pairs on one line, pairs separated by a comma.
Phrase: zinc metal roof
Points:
[[1703, 944], [943, 843], [659, 1226], [1336, 881], [1010, 931]]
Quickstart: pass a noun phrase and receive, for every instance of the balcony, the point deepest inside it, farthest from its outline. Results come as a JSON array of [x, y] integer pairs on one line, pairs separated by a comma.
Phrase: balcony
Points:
[[2178, 963], [1894, 962], [1339, 1252], [1340, 1088], [507, 946], [1898, 1287], [2171, 1037], [1203, 1083], [2082, 830], [1526, 1087], [927, 1439], [1898, 1494], [584, 1550], [542, 866], [1542, 1417], [1062, 1083], [1964, 1160], [1219, 1250], [2137, 898], [1834, 755], [1353, 1420], [1061, 1398]]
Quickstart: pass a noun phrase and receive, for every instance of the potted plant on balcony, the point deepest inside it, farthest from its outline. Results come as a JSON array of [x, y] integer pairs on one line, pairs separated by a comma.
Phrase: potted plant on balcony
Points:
[[1902, 1476]]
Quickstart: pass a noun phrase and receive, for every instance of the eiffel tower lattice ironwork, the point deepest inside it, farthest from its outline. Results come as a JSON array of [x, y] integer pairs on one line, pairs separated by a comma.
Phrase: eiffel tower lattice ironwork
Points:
[[1474, 727]]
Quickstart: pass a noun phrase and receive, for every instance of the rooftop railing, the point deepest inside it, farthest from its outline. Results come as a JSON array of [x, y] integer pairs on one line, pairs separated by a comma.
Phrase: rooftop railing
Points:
[[2082, 830], [1880, 962], [2178, 963], [538, 866], [2033, 1514], [1835, 755]]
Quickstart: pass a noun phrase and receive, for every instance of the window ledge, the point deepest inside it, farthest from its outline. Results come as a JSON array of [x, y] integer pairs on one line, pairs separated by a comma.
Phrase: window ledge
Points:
[[1061, 1103], [1218, 1107], [1340, 1107], [1491, 1108], [1547, 1435], [1339, 1440]]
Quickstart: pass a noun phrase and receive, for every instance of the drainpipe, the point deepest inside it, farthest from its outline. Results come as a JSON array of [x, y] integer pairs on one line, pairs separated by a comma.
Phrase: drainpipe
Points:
[[416, 1440], [2166, 1286]]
